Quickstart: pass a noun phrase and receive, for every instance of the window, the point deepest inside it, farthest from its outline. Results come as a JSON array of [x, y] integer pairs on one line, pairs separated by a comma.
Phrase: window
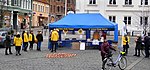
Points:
[[127, 20], [58, 10], [112, 18], [39, 8], [145, 20], [112, 1], [128, 2], [92, 1], [33, 7], [144, 2]]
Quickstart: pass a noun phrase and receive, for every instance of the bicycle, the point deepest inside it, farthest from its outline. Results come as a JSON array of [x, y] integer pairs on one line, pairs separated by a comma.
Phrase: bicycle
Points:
[[121, 61]]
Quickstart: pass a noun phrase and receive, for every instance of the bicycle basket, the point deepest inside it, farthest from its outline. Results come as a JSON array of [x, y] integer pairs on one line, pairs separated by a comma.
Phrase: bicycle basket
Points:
[[122, 53]]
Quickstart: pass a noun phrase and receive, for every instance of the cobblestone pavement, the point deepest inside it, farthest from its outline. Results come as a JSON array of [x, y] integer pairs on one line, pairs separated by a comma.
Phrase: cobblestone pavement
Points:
[[85, 60]]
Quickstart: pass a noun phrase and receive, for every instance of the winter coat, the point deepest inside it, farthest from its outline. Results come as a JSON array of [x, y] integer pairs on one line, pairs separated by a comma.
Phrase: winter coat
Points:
[[147, 41], [54, 36], [18, 40], [139, 43], [105, 48], [39, 37], [7, 42], [25, 37]]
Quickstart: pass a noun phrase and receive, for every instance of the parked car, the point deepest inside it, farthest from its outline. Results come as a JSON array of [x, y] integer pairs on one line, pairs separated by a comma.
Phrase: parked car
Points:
[[2, 38]]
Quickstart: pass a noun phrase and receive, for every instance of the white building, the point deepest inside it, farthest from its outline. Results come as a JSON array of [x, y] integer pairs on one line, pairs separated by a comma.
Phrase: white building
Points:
[[129, 11]]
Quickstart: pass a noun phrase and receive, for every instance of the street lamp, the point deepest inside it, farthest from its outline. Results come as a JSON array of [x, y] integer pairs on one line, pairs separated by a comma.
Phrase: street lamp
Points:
[[30, 20]]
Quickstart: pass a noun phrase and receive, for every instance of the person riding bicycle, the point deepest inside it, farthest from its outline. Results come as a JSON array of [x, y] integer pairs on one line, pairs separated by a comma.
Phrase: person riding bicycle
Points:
[[105, 51]]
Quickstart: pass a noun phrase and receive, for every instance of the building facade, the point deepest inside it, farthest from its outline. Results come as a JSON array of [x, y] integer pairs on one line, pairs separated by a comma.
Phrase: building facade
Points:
[[57, 8], [48, 11], [40, 12], [133, 13], [15, 12]]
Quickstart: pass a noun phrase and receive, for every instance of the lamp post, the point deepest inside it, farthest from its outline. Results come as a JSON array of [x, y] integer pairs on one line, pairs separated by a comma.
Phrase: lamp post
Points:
[[30, 21], [66, 7]]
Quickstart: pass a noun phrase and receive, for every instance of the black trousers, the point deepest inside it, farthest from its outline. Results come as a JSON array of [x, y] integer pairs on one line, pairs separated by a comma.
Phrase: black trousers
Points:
[[18, 48], [125, 49], [31, 45], [147, 50], [137, 51], [7, 49], [25, 45], [54, 45]]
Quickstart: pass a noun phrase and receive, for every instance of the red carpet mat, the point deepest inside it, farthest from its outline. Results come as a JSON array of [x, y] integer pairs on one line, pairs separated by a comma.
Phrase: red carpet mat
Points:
[[60, 55]]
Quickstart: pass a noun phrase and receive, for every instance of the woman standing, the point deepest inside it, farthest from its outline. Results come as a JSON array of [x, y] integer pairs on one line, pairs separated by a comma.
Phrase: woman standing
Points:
[[7, 44], [138, 46], [18, 43], [126, 41]]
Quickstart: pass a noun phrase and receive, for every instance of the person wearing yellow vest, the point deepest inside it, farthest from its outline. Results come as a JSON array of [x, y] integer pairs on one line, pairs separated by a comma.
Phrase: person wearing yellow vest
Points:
[[126, 41], [31, 39], [54, 39], [18, 43], [25, 41]]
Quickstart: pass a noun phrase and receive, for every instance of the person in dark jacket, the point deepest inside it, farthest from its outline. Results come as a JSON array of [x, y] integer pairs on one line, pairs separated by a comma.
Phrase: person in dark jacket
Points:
[[146, 42], [105, 50], [7, 44], [39, 37], [23, 40], [31, 40], [138, 46]]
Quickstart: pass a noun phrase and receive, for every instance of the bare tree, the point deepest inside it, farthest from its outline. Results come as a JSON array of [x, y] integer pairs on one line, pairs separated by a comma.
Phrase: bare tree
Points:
[[142, 19]]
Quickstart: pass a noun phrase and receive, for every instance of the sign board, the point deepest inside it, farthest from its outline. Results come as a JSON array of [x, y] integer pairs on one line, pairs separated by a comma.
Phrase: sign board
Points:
[[82, 45]]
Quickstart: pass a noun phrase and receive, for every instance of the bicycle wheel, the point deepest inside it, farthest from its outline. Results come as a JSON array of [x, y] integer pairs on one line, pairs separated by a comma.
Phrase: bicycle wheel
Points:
[[123, 63], [108, 65]]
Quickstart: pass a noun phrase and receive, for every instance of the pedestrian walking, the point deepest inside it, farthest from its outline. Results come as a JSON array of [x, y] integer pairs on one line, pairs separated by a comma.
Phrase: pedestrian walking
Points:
[[105, 51], [32, 39], [18, 43], [54, 39], [126, 41], [138, 46], [7, 43], [25, 41], [39, 38], [147, 44]]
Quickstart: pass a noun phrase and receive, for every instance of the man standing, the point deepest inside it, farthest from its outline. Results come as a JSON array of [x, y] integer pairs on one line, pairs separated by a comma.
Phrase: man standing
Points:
[[31, 39], [146, 42], [39, 37], [25, 42], [7, 44], [54, 39]]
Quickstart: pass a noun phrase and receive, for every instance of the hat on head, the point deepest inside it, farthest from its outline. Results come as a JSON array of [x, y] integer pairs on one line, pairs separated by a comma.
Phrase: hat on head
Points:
[[18, 33], [57, 29]]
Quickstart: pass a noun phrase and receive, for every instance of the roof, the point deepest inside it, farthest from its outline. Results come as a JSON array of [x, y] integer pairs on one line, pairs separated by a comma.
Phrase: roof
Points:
[[43, 1], [85, 20]]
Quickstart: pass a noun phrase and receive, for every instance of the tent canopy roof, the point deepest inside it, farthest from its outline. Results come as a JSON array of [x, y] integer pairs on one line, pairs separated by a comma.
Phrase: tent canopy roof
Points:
[[83, 21]]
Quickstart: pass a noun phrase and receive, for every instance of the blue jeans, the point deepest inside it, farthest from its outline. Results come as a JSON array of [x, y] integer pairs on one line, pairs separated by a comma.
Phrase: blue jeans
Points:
[[39, 45]]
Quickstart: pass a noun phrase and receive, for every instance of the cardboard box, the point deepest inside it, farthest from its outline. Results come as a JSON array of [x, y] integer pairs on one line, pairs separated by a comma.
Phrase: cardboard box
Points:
[[75, 45]]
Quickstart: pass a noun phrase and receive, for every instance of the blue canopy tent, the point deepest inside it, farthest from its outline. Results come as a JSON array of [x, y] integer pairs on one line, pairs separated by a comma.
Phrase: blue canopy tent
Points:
[[86, 21]]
